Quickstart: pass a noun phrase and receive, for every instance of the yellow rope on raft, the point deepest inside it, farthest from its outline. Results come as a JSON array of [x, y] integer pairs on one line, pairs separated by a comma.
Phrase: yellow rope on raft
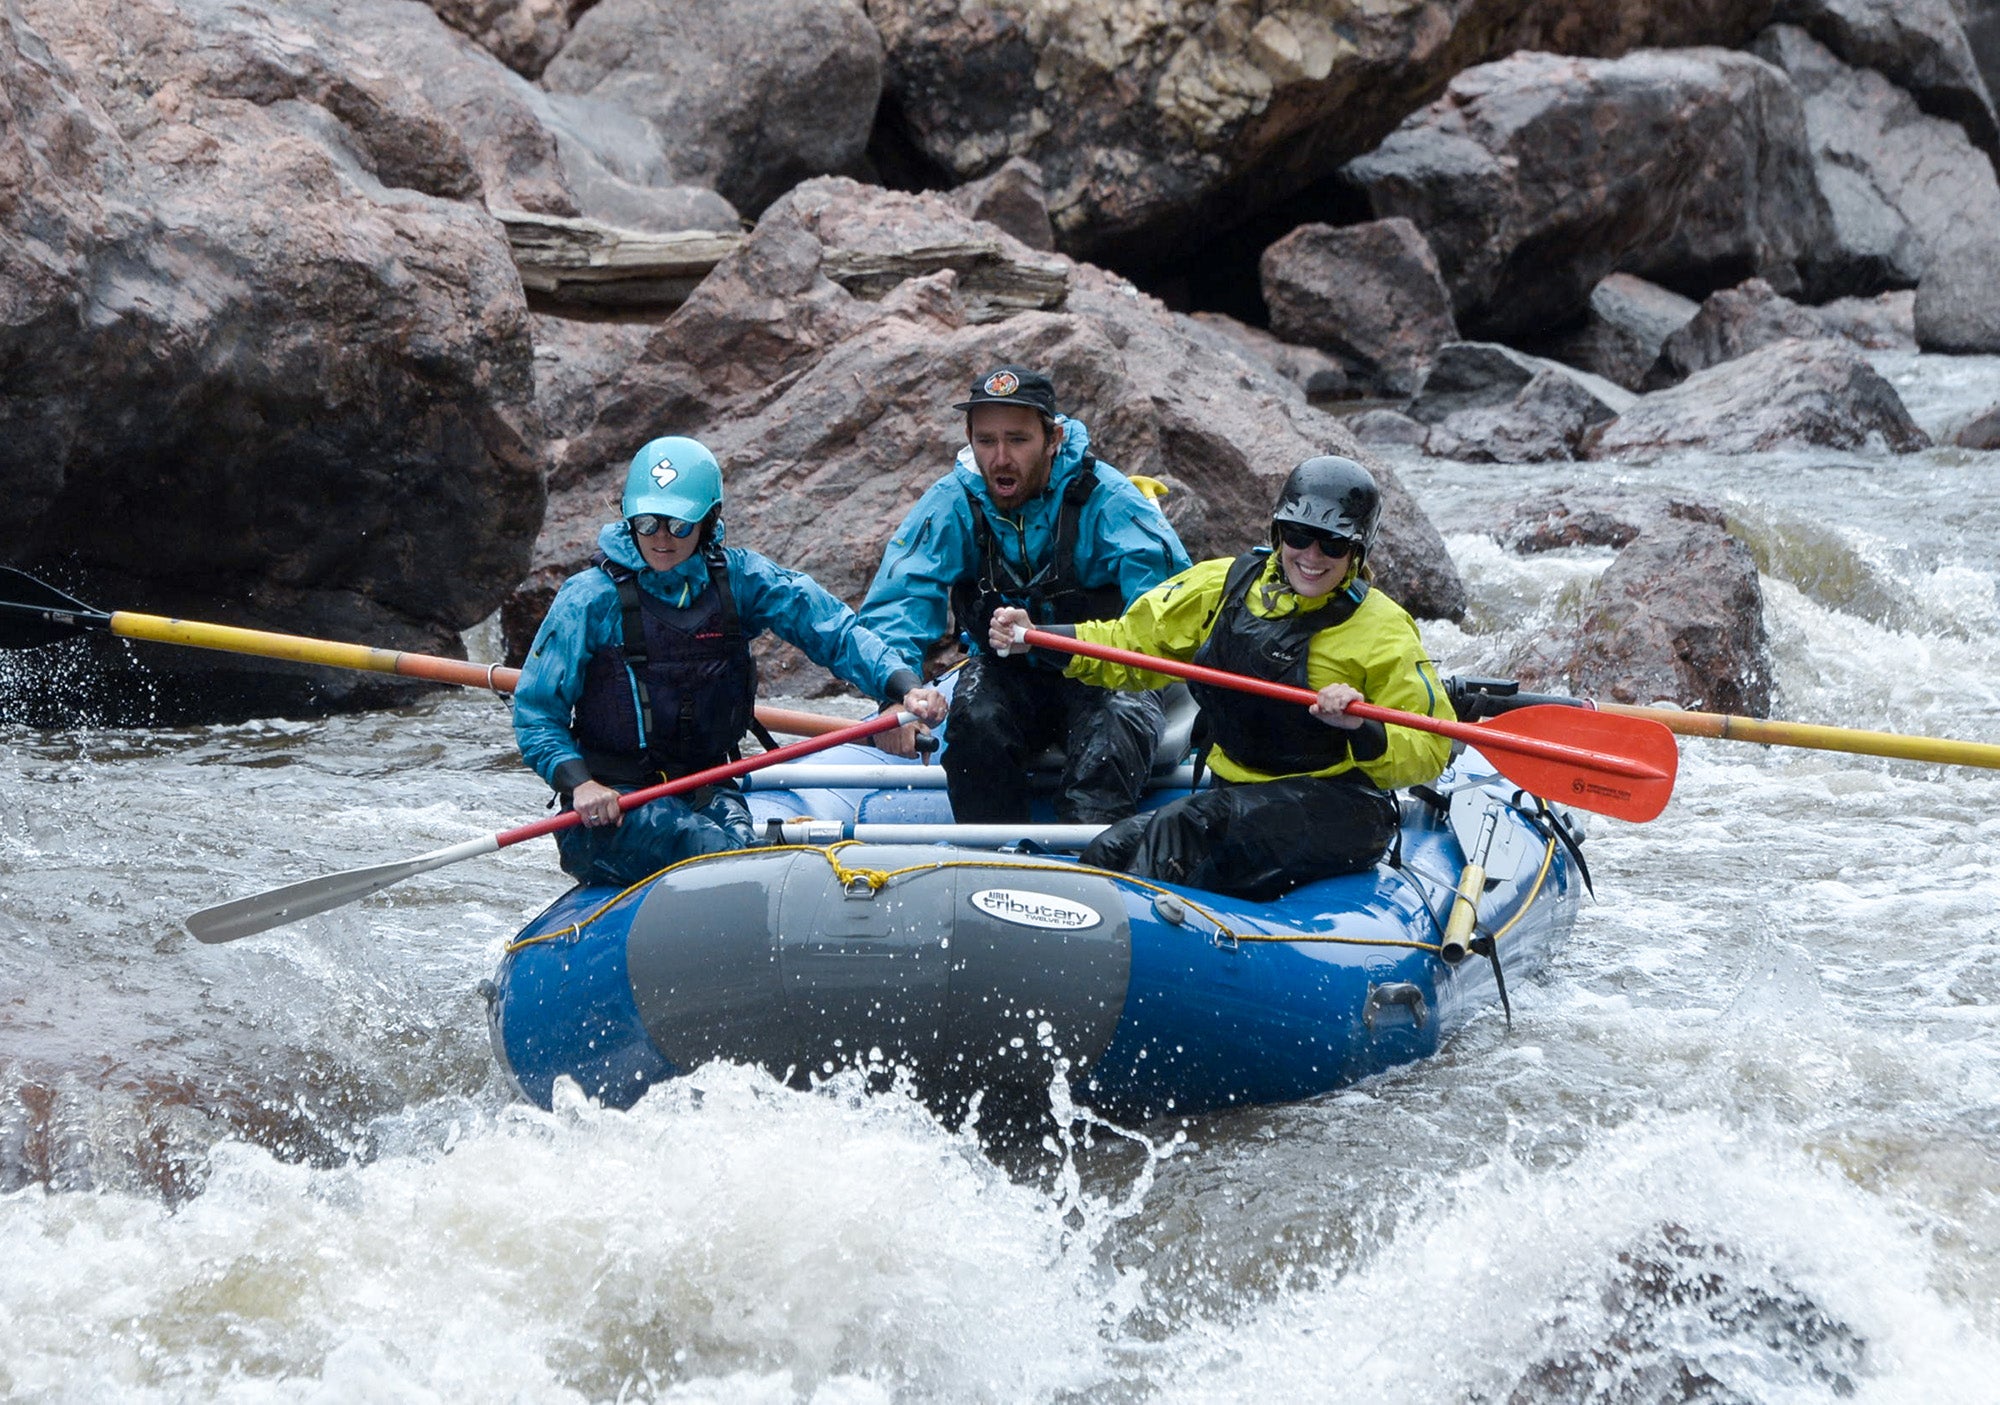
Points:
[[876, 879]]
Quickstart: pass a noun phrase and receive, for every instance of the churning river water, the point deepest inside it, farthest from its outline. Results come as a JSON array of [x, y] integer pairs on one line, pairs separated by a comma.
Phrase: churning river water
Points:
[[1742, 1144]]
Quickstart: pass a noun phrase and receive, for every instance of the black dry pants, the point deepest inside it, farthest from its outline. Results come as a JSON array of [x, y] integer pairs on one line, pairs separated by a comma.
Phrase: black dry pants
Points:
[[1254, 841], [1006, 712]]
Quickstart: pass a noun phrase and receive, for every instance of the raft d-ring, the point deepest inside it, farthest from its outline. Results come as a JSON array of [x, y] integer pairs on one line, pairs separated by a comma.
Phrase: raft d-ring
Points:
[[1404, 996], [859, 885]]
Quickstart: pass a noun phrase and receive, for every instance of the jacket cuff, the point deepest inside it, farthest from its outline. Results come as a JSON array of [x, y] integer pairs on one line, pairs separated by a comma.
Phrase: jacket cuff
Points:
[[1053, 658], [570, 774], [900, 682], [1368, 742]]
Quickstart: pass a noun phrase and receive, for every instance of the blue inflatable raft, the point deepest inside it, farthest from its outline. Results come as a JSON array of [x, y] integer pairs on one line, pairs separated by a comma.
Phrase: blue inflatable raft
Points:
[[875, 934]]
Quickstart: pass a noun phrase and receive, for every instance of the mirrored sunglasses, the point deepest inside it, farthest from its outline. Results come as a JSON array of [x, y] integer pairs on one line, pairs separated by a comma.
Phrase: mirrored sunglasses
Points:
[[647, 523], [1298, 538]]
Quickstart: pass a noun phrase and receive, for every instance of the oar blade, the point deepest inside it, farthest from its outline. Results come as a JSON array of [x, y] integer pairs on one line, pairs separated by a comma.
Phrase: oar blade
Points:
[[260, 912], [33, 613], [1577, 782]]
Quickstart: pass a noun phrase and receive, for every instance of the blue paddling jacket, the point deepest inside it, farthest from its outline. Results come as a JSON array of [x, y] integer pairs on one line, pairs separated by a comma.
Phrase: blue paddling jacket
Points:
[[579, 712], [1123, 547]]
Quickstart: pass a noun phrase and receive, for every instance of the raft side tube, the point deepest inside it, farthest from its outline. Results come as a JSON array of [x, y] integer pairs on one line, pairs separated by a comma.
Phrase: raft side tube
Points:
[[969, 971], [564, 1007]]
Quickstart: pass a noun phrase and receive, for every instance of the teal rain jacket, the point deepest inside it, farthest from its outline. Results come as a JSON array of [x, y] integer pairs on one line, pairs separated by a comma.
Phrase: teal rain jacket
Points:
[[1123, 540], [586, 617]]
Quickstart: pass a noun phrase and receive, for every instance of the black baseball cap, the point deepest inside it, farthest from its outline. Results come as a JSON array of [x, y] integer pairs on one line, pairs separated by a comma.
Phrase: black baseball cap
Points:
[[1013, 385]]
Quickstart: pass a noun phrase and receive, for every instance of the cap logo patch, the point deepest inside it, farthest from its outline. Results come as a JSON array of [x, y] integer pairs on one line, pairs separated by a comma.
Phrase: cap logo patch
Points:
[[1002, 383], [664, 473]]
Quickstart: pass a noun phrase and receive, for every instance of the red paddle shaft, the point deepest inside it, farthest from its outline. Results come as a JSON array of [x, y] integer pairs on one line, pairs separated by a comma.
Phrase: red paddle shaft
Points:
[[728, 771], [1631, 783]]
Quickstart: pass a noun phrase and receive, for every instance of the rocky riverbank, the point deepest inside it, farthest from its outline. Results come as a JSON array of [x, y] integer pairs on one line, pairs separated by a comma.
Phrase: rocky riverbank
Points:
[[342, 316]]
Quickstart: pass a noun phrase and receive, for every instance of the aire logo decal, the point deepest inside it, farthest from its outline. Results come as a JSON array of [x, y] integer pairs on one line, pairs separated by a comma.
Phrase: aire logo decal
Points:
[[1035, 909]]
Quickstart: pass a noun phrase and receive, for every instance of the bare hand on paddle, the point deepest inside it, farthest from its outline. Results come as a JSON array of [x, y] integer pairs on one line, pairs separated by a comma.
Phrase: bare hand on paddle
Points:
[[929, 706], [1332, 706], [597, 805]]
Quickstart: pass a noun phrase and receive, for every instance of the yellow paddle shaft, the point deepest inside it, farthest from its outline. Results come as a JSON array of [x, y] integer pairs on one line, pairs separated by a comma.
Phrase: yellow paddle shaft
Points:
[[1464, 908], [1814, 737], [231, 640], [331, 653]]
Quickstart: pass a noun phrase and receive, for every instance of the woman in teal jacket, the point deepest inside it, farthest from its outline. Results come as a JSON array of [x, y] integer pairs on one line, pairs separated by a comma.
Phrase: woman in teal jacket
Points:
[[641, 670]]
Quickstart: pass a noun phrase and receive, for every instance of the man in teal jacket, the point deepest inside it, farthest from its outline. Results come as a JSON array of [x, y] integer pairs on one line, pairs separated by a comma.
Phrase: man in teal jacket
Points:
[[641, 671], [1028, 517]]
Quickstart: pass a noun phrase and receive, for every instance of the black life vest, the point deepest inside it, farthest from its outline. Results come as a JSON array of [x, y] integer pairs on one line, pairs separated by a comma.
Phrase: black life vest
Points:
[[1050, 593], [676, 694], [1277, 738]]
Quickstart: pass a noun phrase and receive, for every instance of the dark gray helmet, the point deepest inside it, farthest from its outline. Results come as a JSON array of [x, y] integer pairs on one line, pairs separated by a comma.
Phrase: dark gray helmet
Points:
[[1332, 494]]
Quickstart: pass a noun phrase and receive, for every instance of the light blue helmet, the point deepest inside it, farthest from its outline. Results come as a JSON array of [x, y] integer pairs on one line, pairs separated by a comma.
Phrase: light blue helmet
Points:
[[674, 477]]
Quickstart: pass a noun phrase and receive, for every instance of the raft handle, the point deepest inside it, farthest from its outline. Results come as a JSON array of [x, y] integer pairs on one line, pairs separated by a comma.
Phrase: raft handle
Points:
[[1389, 994]]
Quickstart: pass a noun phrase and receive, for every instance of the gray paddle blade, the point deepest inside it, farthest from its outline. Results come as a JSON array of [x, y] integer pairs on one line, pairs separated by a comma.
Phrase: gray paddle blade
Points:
[[245, 917]]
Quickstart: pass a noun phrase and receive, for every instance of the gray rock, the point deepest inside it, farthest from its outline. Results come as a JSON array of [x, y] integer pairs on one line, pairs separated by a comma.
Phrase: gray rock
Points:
[[1315, 375], [1982, 433], [1152, 117], [831, 412], [1730, 323], [1900, 184], [1958, 303], [748, 96], [1788, 395], [1380, 426], [254, 305], [523, 34], [1368, 293], [1536, 176], [1677, 618], [1628, 321], [1886, 322], [1573, 517], [1919, 45], [1543, 423], [619, 174], [1013, 198], [1487, 375]]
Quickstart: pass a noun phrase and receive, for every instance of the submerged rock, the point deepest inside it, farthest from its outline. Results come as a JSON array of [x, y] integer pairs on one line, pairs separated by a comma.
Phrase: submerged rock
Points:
[[1677, 617]]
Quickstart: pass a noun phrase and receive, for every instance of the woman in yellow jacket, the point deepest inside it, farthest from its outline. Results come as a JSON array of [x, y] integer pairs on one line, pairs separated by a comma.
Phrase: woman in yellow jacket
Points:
[[1300, 793]]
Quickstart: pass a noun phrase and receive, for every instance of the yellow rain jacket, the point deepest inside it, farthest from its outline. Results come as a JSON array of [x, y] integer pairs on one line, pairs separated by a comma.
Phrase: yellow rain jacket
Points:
[[1376, 651]]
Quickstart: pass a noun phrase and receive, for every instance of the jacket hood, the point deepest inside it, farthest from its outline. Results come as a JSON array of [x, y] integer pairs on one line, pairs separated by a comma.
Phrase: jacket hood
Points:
[[1075, 444]]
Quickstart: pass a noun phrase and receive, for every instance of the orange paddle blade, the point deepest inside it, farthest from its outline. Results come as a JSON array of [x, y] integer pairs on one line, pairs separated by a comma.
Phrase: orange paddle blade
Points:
[[1574, 781]]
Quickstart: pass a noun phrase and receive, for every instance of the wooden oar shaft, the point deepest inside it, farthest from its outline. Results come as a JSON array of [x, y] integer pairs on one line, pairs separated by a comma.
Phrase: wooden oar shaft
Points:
[[230, 639], [1469, 733], [433, 668], [1815, 737]]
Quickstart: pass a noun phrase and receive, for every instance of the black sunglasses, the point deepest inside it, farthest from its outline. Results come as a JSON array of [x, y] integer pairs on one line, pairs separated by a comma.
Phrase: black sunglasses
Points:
[[1298, 538], [647, 523]]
